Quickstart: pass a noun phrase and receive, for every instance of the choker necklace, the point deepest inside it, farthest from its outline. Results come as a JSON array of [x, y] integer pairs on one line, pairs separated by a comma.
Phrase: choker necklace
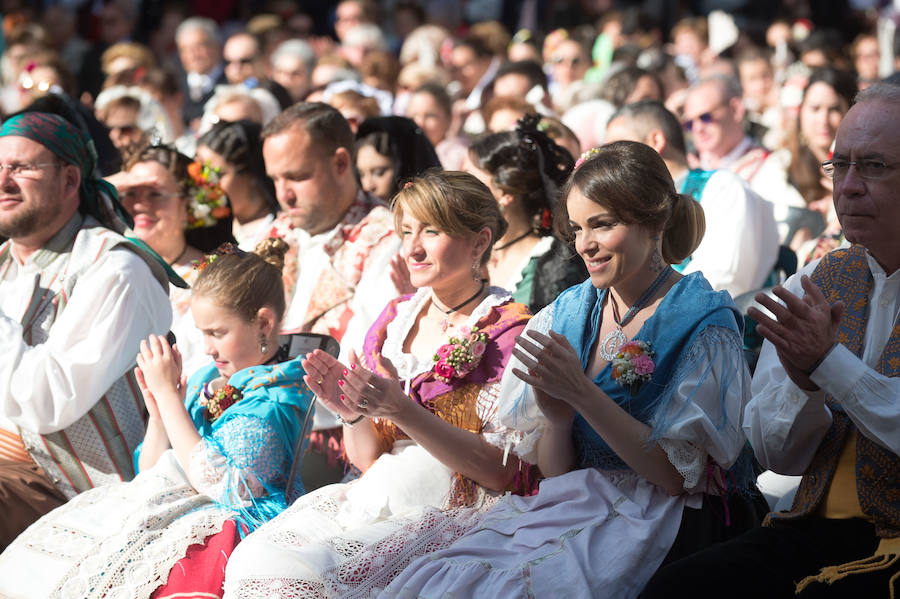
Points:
[[613, 340], [446, 322], [181, 255], [514, 241]]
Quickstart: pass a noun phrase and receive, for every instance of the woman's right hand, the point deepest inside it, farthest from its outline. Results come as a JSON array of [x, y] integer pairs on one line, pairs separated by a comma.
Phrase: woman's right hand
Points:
[[557, 411], [323, 372]]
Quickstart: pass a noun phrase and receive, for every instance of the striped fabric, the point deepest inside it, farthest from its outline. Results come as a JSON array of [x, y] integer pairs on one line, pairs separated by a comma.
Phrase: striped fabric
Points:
[[12, 448]]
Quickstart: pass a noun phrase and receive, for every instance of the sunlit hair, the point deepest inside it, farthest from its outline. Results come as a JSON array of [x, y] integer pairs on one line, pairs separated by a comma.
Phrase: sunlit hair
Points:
[[631, 181], [454, 202], [246, 282]]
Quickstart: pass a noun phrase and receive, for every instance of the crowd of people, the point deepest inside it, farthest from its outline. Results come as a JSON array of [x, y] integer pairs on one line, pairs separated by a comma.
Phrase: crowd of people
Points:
[[532, 230]]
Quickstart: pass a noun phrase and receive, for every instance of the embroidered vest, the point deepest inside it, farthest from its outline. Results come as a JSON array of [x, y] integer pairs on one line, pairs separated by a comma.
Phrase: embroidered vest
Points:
[[97, 448], [844, 275]]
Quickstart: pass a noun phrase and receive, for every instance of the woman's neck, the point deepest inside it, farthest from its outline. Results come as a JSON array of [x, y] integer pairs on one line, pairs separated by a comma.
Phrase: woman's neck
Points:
[[628, 292], [449, 297], [172, 250], [519, 225], [250, 206]]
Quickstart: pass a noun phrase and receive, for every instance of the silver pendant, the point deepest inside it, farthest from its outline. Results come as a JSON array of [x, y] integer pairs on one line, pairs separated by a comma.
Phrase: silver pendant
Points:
[[610, 344]]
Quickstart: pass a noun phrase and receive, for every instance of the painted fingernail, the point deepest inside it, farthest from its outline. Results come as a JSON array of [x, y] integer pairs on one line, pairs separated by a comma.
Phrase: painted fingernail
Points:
[[353, 367], [343, 398], [341, 383], [345, 372]]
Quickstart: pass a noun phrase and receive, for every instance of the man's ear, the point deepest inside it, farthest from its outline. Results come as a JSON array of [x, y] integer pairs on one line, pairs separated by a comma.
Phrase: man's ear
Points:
[[656, 139], [342, 161]]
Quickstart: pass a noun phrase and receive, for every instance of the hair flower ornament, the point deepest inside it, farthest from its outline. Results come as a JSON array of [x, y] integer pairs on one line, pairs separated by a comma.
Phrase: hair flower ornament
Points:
[[223, 250], [633, 365], [215, 403], [460, 355], [585, 156], [207, 201]]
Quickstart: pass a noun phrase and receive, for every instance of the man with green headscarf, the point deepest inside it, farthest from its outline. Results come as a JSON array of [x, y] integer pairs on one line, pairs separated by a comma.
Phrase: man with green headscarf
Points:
[[76, 299]]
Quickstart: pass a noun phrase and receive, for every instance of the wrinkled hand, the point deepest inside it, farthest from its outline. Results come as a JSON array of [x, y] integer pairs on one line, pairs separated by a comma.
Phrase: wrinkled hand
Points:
[[323, 371], [373, 395], [400, 276], [802, 331], [160, 367], [554, 367]]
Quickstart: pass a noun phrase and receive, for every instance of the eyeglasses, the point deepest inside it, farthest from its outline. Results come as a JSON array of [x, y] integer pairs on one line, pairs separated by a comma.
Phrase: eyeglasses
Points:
[[151, 195], [574, 61], [124, 129], [25, 170], [242, 61], [867, 169], [705, 118]]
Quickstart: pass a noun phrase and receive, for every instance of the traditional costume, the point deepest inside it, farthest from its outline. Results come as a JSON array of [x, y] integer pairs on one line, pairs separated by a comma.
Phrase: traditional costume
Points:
[[123, 539], [350, 540], [840, 538], [72, 316], [602, 530], [549, 269]]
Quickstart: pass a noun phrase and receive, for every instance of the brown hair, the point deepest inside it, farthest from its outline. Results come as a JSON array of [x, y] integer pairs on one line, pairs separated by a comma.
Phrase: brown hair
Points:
[[246, 283], [631, 181], [327, 128], [455, 202]]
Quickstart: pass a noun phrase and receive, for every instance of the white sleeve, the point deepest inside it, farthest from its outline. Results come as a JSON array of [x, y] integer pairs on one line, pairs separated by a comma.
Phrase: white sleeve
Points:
[[740, 245], [113, 306], [784, 423], [706, 407]]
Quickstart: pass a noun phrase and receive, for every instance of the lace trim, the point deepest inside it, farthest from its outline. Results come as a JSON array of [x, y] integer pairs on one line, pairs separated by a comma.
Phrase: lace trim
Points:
[[689, 460], [408, 365]]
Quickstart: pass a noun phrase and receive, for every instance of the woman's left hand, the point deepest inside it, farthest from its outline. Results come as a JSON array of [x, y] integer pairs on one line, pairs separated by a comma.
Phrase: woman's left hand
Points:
[[553, 366], [371, 394], [161, 367]]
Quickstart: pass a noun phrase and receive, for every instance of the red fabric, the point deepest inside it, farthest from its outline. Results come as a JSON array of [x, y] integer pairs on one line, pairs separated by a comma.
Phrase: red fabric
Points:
[[201, 572]]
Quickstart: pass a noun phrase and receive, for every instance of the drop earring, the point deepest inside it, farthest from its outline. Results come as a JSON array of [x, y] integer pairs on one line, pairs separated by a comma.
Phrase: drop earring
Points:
[[263, 344], [476, 271], [656, 261]]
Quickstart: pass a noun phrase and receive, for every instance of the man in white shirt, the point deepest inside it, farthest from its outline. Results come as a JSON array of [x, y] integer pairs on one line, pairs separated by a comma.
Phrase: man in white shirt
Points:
[[337, 272], [740, 246], [827, 397], [76, 299]]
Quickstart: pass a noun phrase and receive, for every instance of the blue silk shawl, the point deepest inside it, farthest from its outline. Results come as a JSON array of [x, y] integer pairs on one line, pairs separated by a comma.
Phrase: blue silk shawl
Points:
[[688, 309]]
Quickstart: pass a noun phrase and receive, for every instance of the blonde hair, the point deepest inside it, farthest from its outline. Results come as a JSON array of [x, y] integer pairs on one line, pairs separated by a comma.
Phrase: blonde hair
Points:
[[246, 282], [455, 202]]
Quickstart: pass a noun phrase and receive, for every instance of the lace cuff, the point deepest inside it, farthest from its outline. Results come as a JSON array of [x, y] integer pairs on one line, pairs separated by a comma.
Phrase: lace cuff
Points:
[[690, 461]]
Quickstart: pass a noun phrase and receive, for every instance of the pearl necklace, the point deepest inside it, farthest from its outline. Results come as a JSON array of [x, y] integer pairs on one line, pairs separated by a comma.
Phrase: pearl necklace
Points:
[[610, 344]]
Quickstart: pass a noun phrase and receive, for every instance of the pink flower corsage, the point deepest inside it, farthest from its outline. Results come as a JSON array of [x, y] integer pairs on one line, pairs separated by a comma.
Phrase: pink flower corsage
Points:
[[460, 355], [633, 365]]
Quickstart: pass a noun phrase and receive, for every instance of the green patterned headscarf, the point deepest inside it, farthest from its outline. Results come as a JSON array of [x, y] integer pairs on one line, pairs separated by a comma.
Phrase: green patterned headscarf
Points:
[[74, 146]]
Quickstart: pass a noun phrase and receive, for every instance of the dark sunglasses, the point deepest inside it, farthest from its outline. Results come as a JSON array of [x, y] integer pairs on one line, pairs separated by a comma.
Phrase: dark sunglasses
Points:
[[242, 61], [705, 118]]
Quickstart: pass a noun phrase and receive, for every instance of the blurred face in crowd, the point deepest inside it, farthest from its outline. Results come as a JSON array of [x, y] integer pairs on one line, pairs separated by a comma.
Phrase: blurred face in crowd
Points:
[[347, 16], [504, 119], [866, 58], [713, 121], [757, 81], [124, 131], [428, 115], [867, 208], [468, 68], [307, 180], [290, 73], [158, 207], [376, 172], [646, 88], [198, 53], [512, 84], [569, 62], [242, 59], [820, 115]]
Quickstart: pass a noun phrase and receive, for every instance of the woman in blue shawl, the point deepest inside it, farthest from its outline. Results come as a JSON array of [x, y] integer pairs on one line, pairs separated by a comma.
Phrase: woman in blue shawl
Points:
[[628, 391], [213, 465]]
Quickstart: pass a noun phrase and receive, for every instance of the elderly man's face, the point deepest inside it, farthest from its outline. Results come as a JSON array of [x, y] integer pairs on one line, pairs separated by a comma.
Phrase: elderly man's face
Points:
[[712, 120], [290, 72], [868, 208], [242, 59], [198, 53], [33, 198]]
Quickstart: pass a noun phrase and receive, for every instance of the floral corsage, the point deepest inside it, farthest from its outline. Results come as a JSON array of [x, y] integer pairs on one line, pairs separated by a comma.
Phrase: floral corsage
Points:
[[460, 355], [207, 201], [633, 365], [216, 402]]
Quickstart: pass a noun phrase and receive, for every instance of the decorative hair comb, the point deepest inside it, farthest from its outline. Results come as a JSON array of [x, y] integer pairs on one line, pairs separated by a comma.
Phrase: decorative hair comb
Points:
[[586, 156], [223, 250]]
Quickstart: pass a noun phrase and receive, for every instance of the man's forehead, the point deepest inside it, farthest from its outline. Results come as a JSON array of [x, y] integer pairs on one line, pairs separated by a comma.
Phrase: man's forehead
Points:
[[16, 146], [706, 94], [872, 127]]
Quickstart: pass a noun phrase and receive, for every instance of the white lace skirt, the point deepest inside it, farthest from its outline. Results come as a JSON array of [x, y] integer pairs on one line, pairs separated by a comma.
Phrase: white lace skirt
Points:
[[350, 540], [116, 541], [583, 535]]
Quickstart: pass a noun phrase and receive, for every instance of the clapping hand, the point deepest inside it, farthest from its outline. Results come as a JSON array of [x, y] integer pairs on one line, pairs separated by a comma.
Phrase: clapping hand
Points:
[[159, 369], [803, 330], [554, 371]]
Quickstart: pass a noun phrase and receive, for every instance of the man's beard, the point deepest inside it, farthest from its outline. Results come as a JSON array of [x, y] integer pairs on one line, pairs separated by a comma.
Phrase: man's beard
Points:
[[27, 221]]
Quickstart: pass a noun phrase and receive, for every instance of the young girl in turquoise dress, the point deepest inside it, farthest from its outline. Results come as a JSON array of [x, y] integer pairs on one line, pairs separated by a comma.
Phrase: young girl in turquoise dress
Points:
[[213, 465], [628, 392]]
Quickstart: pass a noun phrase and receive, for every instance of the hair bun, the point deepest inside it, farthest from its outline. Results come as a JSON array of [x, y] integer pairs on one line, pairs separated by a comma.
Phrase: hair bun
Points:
[[272, 250]]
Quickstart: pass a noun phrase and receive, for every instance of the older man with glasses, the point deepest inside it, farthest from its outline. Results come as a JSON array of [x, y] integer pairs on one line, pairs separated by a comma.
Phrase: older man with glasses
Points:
[[826, 397], [76, 299], [714, 119]]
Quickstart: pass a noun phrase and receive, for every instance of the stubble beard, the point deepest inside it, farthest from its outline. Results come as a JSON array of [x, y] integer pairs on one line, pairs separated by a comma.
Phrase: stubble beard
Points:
[[27, 221]]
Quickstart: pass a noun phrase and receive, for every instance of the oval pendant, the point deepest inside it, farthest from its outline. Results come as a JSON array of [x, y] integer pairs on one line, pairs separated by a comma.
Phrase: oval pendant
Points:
[[610, 344]]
